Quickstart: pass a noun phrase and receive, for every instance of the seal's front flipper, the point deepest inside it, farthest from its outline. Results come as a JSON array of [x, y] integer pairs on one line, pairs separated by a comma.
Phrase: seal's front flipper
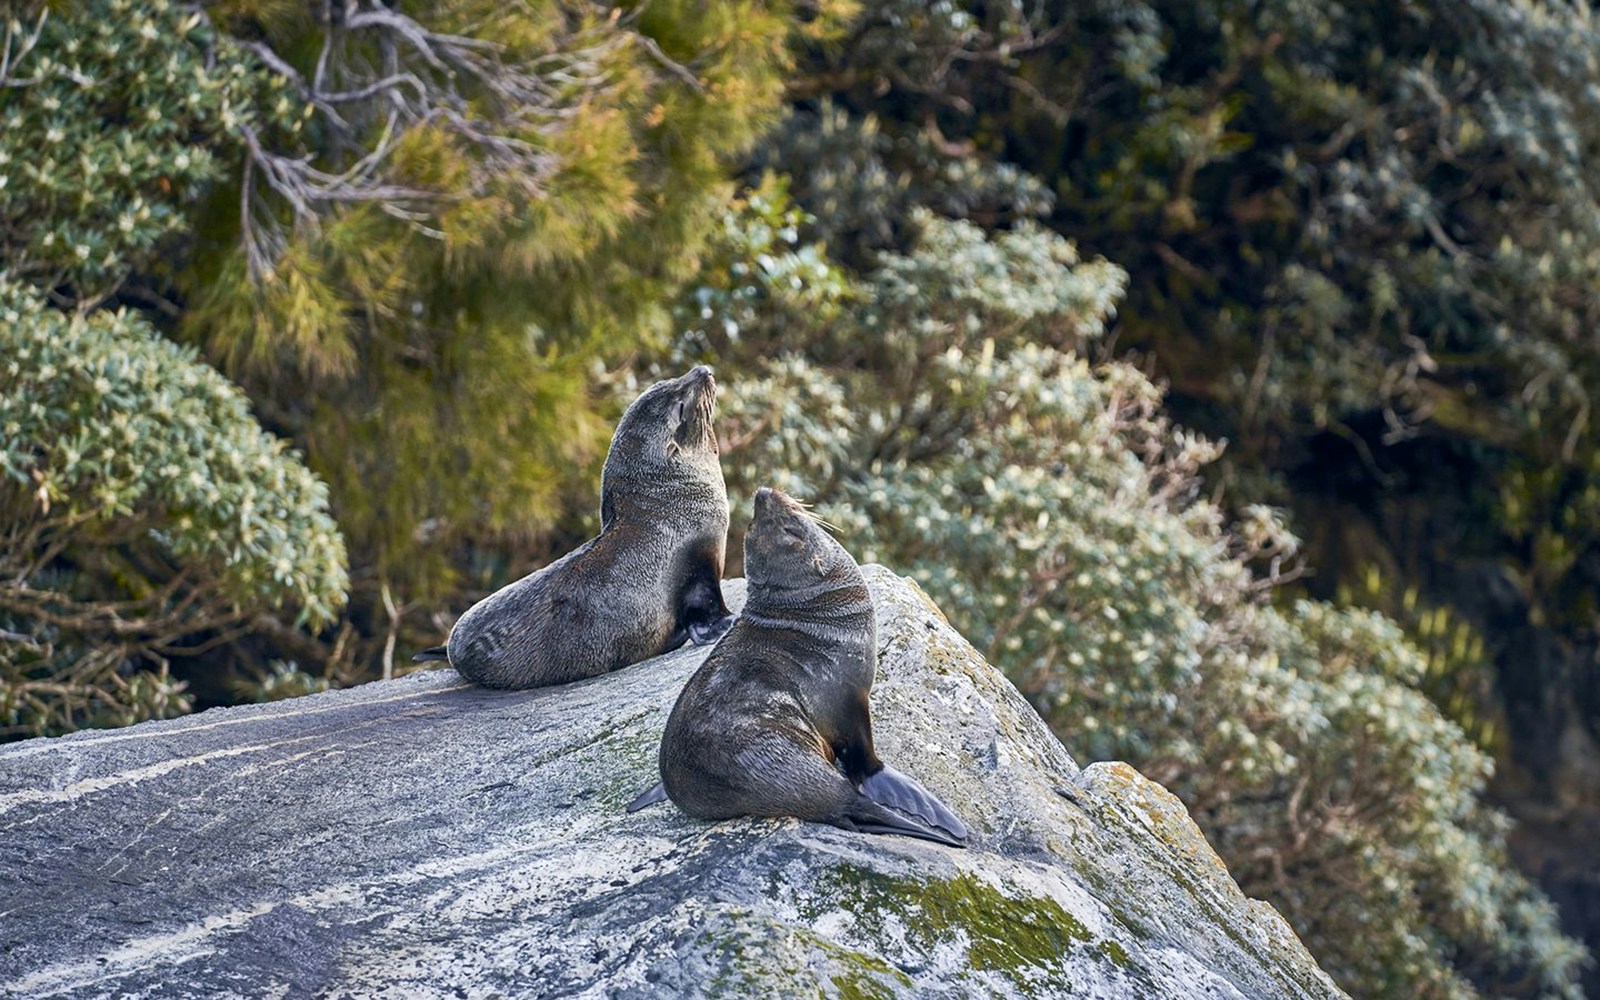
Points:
[[701, 611], [657, 793], [902, 793], [869, 817], [436, 653], [704, 633]]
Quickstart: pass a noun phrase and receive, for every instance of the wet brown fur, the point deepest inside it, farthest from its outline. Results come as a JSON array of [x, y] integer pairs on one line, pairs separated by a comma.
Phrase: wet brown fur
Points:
[[648, 582], [777, 721]]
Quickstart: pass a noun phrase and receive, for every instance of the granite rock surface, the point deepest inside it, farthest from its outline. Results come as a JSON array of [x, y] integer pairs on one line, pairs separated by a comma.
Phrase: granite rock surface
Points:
[[426, 838]]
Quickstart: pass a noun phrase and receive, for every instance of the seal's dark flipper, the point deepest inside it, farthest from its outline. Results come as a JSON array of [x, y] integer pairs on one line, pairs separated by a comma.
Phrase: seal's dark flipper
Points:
[[901, 793], [702, 614], [704, 633], [436, 653], [657, 793], [869, 817]]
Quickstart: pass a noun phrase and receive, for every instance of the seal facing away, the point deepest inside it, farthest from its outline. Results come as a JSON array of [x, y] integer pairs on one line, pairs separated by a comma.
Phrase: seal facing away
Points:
[[776, 722], [649, 581]]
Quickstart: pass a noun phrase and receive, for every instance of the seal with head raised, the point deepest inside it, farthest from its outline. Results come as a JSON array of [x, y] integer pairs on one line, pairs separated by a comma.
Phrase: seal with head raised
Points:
[[777, 722], [649, 581]]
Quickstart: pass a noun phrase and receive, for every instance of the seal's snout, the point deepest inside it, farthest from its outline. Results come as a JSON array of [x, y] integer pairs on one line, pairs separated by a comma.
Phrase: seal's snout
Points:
[[766, 499], [775, 505], [699, 386]]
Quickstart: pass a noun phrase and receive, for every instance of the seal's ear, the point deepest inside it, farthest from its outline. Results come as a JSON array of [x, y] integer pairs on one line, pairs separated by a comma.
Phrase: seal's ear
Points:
[[816, 562]]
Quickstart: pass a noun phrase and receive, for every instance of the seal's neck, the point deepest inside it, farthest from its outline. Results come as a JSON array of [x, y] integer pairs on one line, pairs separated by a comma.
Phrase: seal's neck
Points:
[[654, 505], [841, 606]]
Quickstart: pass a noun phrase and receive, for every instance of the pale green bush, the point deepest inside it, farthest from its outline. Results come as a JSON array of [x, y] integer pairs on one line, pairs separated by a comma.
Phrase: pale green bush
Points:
[[939, 411], [112, 118], [143, 515]]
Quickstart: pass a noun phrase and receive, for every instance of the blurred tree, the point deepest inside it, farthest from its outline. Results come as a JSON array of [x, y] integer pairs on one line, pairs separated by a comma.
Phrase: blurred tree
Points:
[[938, 410], [1459, 674], [115, 117], [1363, 243], [420, 286], [415, 237], [147, 518], [487, 205]]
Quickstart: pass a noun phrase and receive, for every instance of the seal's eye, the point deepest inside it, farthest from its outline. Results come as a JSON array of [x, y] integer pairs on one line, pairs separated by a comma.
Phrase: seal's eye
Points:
[[677, 412], [795, 531]]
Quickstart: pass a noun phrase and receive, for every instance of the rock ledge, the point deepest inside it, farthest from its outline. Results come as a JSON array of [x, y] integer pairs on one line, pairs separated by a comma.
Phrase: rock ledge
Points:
[[423, 837]]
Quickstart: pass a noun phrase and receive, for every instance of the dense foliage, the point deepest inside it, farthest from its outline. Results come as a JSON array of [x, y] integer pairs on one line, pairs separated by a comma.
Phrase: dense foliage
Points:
[[1358, 240], [938, 410], [1362, 239], [145, 516], [473, 217], [412, 239], [113, 120]]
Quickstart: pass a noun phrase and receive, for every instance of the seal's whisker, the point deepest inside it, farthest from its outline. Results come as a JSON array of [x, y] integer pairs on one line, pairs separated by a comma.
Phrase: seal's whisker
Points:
[[819, 519], [806, 510]]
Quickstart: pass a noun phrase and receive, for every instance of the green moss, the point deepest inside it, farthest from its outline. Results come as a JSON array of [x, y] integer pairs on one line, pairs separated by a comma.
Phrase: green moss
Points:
[[870, 978], [1025, 940], [1115, 952], [1003, 934]]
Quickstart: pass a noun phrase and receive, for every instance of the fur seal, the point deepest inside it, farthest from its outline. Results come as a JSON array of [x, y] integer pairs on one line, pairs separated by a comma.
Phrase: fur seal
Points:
[[777, 721], [649, 581]]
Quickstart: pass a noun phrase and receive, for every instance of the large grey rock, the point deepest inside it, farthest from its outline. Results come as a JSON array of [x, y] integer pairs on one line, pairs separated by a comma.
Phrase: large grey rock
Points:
[[426, 838]]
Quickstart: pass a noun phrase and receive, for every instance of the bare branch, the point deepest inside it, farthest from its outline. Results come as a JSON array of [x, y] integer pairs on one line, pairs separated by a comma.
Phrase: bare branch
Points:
[[676, 69], [491, 99], [24, 41], [18, 637]]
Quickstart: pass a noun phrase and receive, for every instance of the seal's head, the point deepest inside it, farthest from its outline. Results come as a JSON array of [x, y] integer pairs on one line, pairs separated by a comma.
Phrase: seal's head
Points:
[[671, 423], [787, 548]]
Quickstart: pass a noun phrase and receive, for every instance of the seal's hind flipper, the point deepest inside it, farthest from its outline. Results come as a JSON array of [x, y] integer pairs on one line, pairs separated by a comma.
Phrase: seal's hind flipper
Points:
[[705, 633], [901, 792], [656, 793], [869, 817], [436, 653]]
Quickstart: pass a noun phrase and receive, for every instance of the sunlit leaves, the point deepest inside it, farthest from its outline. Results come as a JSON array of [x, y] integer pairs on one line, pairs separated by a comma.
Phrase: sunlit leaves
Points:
[[118, 119]]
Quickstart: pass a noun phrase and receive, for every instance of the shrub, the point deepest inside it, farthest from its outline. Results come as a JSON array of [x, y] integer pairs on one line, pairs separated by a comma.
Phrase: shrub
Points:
[[941, 414], [146, 516]]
